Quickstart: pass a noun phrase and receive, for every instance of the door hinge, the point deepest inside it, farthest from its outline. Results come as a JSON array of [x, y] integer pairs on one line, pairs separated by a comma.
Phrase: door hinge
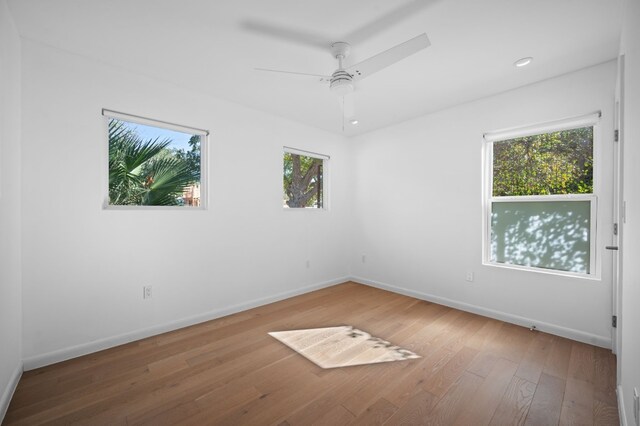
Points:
[[614, 321], [616, 135], [615, 229]]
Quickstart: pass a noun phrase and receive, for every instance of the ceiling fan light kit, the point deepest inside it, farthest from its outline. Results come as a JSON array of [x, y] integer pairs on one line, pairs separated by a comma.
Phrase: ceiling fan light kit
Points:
[[341, 83]]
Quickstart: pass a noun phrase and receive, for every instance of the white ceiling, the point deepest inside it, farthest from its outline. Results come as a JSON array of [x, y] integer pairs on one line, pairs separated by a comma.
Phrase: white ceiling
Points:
[[213, 46]]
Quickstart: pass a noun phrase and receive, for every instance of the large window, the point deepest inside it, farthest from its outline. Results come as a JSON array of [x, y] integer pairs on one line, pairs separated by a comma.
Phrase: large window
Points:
[[541, 204], [303, 179], [153, 163]]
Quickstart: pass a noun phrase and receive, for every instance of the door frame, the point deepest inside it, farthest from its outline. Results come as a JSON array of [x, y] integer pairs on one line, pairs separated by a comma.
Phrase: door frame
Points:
[[618, 210]]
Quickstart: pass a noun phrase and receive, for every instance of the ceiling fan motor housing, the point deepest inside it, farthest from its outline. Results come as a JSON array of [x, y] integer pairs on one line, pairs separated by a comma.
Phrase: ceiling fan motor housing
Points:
[[341, 82]]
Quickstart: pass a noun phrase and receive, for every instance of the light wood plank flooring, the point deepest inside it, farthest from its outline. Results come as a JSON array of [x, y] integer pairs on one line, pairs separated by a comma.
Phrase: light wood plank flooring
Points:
[[474, 371]]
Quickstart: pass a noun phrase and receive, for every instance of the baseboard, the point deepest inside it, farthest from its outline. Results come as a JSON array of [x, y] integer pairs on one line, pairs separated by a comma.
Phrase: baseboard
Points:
[[569, 333], [109, 342], [9, 391], [621, 413]]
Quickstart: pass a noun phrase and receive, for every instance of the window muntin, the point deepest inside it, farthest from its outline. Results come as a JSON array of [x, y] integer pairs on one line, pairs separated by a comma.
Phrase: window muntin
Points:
[[303, 179], [541, 209], [152, 163]]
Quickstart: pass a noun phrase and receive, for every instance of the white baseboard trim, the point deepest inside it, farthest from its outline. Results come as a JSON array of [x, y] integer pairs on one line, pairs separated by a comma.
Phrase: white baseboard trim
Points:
[[8, 392], [569, 333], [621, 413], [53, 357]]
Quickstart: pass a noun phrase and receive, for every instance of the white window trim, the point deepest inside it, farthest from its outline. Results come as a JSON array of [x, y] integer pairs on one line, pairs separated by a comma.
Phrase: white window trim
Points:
[[326, 176], [589, 120], [204, 148], [152, 122]]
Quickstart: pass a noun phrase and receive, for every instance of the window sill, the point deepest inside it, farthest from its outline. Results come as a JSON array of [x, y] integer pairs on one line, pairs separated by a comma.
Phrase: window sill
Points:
[[588, 277], [153, 208], [305, 209]]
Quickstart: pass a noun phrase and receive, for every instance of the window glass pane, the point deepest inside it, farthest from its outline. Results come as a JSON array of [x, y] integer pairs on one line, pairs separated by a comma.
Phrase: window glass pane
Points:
[[302, 181], [152, 166], [543, 234], [551, 163]]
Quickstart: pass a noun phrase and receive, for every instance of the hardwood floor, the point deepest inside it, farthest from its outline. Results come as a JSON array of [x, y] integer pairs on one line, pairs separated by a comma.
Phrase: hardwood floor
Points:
[[473, 371]]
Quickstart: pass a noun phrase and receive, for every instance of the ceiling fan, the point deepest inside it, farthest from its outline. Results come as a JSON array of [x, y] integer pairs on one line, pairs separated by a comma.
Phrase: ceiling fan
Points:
[[341, 81]]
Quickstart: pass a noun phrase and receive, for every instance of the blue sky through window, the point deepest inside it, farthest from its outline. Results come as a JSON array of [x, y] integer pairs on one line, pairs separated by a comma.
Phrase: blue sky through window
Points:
[[179, 140]]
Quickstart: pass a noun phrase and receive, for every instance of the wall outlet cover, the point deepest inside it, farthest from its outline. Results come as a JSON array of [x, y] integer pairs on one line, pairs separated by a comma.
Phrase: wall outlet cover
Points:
[[147, 292]]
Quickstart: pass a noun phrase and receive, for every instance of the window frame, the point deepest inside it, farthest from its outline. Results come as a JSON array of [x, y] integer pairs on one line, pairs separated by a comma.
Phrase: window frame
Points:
[[136, 119], [589, 120], [326, 175]]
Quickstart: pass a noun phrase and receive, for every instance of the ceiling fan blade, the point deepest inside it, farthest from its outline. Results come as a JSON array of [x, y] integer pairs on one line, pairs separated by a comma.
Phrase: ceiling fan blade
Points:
[[387, 20], [288, 34], [388, 57], [322, 77]]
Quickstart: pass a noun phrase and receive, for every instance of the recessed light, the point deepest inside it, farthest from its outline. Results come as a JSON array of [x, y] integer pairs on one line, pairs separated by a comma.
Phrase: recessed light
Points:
[[354, 122], [523, 62]]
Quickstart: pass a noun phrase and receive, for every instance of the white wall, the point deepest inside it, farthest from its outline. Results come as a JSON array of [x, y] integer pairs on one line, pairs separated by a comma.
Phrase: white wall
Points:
[[84, 267], [629, 358], [10, 195], [418, 206]]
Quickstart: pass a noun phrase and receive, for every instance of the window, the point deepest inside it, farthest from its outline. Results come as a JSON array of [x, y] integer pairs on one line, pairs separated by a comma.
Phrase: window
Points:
[[541, 205], [153, 163], [303, 179]]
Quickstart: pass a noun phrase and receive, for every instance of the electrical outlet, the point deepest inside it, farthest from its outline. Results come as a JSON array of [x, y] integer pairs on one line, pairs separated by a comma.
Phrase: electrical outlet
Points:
[[308, 264], [636, 406], [364, 258], [469, 276], [147, 292]]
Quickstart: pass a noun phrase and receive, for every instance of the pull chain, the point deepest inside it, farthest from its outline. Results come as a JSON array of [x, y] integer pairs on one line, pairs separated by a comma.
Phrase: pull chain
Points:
[[343, 114]]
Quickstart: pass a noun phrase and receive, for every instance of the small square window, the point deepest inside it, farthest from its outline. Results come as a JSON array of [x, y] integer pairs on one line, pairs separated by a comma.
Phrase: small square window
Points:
[[303, 180], [152, 163]]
